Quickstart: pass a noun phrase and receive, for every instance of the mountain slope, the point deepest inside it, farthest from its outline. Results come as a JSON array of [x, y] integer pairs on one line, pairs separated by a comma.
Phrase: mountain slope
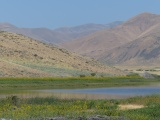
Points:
[[99, 42], [21, 56], [58, 35], [143, 51]]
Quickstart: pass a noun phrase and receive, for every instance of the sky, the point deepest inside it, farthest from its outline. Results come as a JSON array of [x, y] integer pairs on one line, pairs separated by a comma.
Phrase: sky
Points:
[[66, 13]]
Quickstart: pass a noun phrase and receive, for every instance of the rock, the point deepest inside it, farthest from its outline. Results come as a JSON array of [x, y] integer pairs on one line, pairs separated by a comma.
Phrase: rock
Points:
[[107, 118], [56, 118], [80, 118], [97, 118]]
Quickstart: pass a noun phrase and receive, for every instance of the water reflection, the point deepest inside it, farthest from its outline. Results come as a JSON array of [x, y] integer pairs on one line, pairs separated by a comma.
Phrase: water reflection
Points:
[[114, 90], [96, 93]]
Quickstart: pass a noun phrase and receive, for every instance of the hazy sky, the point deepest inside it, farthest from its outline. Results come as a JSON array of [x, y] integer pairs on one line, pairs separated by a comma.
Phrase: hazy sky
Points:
[[58, 13]]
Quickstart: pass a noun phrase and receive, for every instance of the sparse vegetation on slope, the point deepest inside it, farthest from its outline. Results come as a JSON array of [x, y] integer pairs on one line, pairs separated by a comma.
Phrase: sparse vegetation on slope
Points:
[[21, 56]]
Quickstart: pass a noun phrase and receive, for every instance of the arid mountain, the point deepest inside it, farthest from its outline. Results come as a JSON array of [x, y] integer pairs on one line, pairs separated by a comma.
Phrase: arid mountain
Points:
[[97, 44], [58, 35], [42, 34], [83, 30], [21, 56], [145, 50]]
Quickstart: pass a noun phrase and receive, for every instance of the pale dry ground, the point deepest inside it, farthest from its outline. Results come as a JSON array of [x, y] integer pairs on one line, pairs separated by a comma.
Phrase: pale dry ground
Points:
[[150, 69], [130, 106], [9, 69], [17, 51]]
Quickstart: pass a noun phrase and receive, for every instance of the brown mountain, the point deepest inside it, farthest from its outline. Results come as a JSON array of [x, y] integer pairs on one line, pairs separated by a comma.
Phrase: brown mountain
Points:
[[96, 44], [21, 56], [86, 29], [41, 34], [58, 35], [145, 50]]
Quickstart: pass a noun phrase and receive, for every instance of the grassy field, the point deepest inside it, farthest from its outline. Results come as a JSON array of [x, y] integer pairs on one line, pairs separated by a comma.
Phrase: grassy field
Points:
[[84, 82], [43, 108]]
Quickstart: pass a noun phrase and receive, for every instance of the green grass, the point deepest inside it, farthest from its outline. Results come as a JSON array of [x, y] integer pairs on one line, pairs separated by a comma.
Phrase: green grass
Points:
[[150, 112], [85, 82], [41, 108]]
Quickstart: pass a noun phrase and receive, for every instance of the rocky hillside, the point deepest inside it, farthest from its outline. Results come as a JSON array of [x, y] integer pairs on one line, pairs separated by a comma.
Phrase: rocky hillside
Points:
[[143, 51], [21, 56], [98, 43]]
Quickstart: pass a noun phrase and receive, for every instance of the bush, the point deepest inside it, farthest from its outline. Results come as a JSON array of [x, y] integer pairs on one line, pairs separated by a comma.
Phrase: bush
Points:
[[82, 76], [93, 74]]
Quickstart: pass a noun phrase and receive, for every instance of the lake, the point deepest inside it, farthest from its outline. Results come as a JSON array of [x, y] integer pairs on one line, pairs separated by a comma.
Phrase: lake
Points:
[[92, 93]]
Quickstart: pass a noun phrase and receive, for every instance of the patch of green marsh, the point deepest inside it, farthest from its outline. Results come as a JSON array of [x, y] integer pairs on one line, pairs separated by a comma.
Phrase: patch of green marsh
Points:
[[77, 82]]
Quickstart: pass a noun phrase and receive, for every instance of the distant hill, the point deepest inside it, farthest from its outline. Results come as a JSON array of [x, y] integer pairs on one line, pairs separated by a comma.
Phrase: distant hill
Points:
[[21, 56], [101, 41], [58, 35], [83, 30], [145, 50], [134, 42]]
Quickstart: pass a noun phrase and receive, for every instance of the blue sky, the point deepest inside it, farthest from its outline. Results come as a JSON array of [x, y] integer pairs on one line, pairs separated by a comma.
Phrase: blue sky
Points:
[[57, 13]]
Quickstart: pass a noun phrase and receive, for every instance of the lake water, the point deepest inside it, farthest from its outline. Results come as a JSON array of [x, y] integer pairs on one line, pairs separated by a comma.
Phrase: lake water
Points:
[[94, 93], [106, 93], [116, 91]]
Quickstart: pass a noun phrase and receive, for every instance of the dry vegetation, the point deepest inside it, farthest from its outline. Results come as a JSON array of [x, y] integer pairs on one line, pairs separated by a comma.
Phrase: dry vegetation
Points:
[[22, 56]]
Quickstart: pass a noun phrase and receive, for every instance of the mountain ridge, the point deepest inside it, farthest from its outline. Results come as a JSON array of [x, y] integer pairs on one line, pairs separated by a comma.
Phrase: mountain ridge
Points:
[[57, 35], [106, 45]]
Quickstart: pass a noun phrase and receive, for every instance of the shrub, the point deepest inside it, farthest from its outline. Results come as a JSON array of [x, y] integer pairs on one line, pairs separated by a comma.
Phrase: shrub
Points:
[[93, 74], [82, 75]]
